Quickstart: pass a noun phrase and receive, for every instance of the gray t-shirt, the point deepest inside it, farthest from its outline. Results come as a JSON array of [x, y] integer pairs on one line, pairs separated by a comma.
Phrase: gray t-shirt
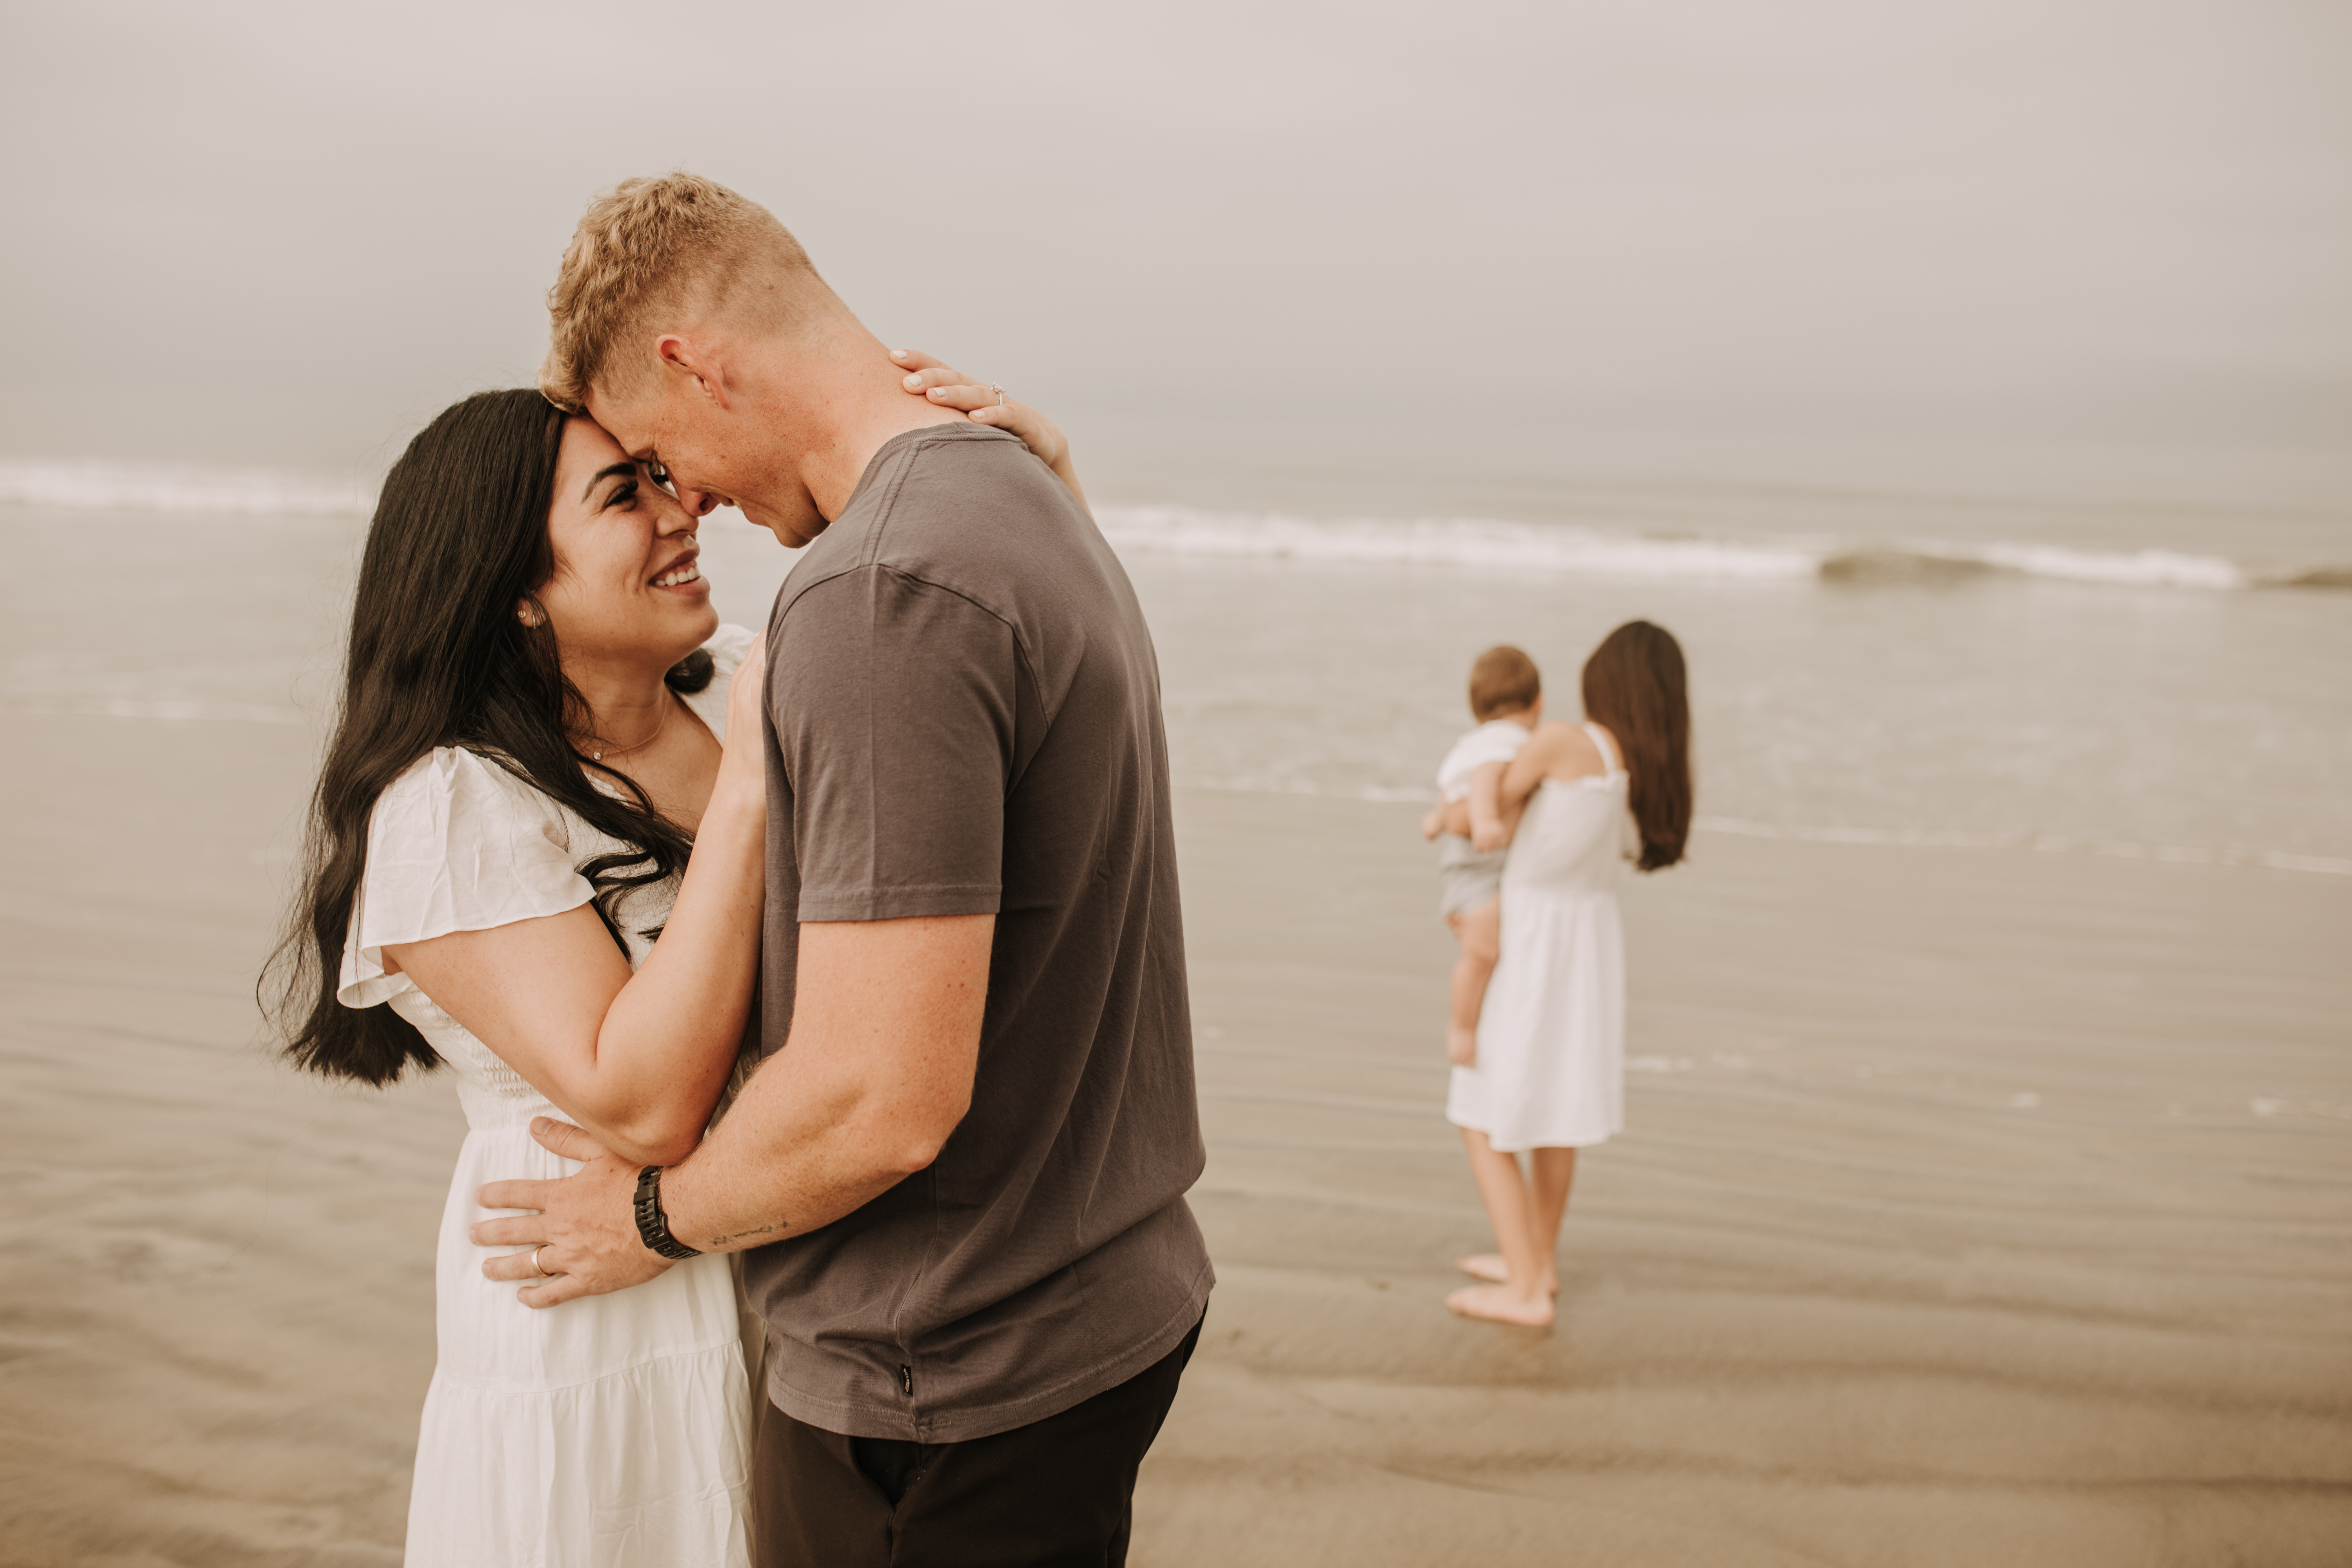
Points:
[[963, 710]]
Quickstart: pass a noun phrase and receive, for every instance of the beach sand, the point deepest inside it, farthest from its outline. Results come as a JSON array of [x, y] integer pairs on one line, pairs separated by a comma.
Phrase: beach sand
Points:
[[1975, 1208]]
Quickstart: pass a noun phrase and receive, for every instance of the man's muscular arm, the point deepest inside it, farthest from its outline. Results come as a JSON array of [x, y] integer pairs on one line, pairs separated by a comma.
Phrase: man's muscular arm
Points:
[[876, 1075]]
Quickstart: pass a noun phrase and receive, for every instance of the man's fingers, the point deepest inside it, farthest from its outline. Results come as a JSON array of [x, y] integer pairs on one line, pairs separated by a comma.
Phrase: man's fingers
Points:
[[513, 1195], [509, 1230], [552, 1292], [559, 1138], [519, 1265]]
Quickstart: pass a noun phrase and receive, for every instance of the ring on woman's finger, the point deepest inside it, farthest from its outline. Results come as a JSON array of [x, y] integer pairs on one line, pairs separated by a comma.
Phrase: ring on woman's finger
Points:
[[1001, 399], [538, 1269]]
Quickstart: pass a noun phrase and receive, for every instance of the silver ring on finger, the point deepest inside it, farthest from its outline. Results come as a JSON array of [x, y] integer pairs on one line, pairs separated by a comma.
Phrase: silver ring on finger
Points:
[[536, 1267], [1001, 399]]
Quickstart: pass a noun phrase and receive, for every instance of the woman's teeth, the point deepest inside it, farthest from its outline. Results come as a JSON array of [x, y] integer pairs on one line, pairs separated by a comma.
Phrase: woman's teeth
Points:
[[683, 574]]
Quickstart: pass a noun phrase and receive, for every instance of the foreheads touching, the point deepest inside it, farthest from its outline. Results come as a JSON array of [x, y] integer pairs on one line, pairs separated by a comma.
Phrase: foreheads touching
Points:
[[676, 254]]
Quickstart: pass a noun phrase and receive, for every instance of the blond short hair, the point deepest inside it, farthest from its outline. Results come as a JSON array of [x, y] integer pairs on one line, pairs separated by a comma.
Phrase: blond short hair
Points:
[[1503, 681], [672, 244]]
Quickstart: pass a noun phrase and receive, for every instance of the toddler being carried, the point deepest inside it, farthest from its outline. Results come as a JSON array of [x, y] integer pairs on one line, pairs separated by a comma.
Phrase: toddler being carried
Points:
[[1507, 698]]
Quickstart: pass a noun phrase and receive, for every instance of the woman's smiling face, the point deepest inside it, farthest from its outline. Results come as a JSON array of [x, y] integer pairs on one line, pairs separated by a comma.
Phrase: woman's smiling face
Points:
[[625, 591]]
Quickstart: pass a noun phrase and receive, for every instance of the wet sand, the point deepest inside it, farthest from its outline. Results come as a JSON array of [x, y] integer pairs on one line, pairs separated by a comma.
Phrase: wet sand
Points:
[[1976, 1207]]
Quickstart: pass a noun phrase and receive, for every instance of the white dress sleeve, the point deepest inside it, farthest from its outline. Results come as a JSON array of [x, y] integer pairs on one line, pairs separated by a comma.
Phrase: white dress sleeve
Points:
[[728, 647], [455, 844]]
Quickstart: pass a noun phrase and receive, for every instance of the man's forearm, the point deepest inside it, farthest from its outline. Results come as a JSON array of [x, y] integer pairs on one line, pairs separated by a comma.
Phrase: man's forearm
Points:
[[877, 1074], [790, 1157]]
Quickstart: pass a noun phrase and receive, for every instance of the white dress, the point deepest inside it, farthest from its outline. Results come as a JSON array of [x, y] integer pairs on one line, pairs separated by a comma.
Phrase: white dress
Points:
[[1551, 1032], [613, 1431]]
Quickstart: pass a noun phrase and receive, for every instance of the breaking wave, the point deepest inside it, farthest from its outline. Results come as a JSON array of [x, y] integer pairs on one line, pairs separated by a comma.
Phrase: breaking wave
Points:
[[1573, 550], [1490, 544]]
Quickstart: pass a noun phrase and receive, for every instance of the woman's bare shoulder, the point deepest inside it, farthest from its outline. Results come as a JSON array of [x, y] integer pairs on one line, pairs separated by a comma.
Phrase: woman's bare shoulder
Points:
[[1566, 752]]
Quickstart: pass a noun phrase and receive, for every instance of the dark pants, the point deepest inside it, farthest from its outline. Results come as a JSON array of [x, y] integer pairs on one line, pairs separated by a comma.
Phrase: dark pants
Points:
[[1056, 1492]]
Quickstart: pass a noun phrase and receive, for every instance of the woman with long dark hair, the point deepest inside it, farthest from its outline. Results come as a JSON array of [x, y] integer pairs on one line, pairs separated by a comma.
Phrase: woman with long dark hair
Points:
[[533, 859], [1583, 803]]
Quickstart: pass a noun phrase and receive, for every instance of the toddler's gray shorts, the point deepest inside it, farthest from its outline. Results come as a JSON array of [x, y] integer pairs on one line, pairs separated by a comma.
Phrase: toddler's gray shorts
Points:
[[1468, 878]]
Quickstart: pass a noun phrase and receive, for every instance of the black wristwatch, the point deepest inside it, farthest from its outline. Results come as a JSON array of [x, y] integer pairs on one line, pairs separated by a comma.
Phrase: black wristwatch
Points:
[[651, 1228]]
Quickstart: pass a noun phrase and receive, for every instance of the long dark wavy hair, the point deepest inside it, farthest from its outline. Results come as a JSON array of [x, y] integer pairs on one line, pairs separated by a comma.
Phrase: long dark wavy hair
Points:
[[1634, 684], [438, 657]]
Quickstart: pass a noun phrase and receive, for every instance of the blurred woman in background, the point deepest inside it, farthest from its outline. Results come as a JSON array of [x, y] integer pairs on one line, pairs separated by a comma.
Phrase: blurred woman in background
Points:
[[1582, 804]]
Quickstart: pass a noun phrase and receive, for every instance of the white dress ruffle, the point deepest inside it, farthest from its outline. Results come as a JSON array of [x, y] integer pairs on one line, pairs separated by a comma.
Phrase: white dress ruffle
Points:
[[612, 1431]]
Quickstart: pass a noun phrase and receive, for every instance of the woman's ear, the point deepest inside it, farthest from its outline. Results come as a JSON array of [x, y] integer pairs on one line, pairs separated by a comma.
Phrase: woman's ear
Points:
[[527, 612]]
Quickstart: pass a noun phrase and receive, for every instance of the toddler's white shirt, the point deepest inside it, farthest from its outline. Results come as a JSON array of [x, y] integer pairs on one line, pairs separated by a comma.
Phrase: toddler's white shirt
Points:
[[1495, 741]]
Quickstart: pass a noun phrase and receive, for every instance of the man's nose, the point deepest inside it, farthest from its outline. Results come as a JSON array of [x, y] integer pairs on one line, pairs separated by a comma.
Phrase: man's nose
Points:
[[698, 503]]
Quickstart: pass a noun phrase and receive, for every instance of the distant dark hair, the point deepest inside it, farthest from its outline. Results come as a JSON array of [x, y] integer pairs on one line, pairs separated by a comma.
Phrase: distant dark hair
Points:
[[1633, 686], [1503, 680], [438, 657]]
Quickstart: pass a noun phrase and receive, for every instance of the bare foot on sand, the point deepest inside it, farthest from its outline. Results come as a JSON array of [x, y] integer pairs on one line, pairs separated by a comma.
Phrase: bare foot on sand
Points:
[[1490, 1267], [1462, 1046], [1498, 1304]]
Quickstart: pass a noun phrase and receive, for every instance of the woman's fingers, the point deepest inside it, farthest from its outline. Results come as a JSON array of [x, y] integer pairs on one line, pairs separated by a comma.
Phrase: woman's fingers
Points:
[[941, 383], [748, 685], [969, 396], [944, 387], [1044, 437], [914, 359], [747, 696], [922, 372], [938, 377]]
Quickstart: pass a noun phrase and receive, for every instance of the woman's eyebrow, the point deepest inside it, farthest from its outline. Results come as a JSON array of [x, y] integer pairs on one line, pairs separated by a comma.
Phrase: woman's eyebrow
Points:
[[624, 469]]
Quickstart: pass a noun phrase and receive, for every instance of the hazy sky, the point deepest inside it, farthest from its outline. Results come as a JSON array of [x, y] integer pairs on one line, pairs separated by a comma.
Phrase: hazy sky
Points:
[[291, 232]]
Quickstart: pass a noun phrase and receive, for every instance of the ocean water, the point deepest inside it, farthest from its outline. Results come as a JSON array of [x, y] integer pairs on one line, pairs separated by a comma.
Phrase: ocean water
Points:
[[2050, 693]]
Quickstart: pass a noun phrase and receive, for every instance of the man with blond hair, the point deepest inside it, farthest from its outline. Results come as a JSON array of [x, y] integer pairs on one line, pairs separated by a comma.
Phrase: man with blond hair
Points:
[[958, 1178]]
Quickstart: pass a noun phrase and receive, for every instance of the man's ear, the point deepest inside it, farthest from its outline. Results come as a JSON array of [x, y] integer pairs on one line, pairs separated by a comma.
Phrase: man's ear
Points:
[[696, 360]]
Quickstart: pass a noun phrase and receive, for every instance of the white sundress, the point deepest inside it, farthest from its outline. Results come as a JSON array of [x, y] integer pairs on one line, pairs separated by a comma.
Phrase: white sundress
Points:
[[1551, 1032], [612, 1431]]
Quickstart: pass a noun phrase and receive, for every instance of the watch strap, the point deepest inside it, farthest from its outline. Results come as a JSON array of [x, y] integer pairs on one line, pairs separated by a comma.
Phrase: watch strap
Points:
[[653, 1228]]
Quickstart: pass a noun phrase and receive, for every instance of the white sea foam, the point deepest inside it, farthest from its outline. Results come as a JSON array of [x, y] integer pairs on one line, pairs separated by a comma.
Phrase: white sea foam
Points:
[[1449, 542], [1576, 550], [1490, 544], [148, 487], [2136, 568]]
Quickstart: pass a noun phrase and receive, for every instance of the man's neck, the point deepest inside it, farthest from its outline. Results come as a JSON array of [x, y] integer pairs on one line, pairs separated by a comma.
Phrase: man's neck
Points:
[[845, 394]]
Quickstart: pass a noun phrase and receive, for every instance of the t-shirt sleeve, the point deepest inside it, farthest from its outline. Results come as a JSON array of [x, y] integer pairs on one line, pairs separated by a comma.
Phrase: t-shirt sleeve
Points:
[[894, 703]]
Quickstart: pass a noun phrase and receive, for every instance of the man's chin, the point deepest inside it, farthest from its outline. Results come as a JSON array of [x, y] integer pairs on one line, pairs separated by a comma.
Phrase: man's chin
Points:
[[792, 533]]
